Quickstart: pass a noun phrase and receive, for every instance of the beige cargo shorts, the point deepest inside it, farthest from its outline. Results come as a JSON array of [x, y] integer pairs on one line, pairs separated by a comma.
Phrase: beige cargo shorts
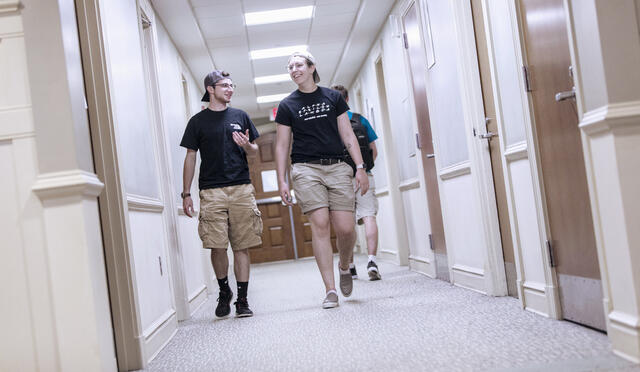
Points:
[[229, 215], [323, 186], [367, 204]]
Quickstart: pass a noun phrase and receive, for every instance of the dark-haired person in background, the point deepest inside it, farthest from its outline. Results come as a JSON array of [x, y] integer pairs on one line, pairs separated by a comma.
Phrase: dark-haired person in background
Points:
[[228, 210], [367, 204]]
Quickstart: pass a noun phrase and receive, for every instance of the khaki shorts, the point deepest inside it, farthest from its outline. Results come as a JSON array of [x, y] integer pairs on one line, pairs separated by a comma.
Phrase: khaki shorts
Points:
[[367, 204], [229, 215], [323, 186]]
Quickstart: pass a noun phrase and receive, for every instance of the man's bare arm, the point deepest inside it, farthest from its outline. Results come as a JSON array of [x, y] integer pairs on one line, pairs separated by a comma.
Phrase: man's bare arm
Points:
[[187, 176]]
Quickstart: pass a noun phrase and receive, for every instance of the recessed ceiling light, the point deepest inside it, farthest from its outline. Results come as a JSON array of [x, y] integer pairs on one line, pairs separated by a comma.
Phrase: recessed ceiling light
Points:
[[272, 79], [278, 15], [272, 98], [276, 52]]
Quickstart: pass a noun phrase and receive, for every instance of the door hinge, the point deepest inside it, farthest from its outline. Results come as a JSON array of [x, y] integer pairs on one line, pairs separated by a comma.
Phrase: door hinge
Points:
[[552, 259], [431, 242], [418, 143], [160, 264], [526, 73], [405, 40]]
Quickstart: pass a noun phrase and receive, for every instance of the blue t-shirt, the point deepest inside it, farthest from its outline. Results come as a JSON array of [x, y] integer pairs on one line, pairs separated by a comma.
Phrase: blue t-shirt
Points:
[[370, 133]]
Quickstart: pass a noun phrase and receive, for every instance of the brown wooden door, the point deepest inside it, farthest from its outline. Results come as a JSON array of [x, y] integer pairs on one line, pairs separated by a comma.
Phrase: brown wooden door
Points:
[[494, 149], [277, 240], [562, 162], [418, 64], [303, 233]]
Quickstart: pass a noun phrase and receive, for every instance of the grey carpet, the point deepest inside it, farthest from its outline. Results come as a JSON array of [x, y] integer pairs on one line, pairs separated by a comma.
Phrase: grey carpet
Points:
[[405, 322]]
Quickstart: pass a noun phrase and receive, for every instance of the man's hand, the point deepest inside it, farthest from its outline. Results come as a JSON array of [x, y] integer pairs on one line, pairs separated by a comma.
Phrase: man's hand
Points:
[[241, 139], [285, 194], [187, 206], [362, 181]]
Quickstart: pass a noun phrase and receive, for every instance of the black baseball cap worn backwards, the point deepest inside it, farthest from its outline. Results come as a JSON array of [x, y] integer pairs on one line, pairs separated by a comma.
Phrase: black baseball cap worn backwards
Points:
[[211, 79]]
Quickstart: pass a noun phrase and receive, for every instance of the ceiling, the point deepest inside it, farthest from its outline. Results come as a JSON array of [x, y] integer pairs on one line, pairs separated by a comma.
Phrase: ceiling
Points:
[[212, 33]]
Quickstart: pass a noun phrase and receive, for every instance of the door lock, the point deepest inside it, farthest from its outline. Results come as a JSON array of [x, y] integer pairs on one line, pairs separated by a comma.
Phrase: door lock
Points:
[[431, 156]]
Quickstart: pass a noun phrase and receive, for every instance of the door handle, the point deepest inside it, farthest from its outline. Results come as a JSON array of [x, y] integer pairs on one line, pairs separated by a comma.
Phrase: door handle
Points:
[[430, 156], [561, 96], [488, 135]]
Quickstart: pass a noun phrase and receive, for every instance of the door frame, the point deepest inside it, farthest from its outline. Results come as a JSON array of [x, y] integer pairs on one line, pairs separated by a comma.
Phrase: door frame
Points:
[[541, 298], [124, 305]]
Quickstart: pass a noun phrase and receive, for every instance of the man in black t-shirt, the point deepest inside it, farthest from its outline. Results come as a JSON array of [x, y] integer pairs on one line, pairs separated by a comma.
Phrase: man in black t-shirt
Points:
[[317, 118], [228, 210]]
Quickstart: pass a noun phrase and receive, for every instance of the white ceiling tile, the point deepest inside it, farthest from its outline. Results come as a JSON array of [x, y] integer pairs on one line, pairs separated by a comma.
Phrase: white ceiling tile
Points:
[[221, 27], [239, 40], [336, 7], [226, 9], [276, 88]]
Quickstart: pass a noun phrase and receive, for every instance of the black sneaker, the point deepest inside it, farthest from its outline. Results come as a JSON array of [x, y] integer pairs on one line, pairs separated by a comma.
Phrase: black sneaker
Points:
[[354, 273], [242, 308], [223, 308], [372, 269]]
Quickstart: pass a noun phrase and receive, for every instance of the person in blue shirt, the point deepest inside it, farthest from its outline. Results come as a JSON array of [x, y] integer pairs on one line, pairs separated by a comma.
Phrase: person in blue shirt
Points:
[[367, 204]]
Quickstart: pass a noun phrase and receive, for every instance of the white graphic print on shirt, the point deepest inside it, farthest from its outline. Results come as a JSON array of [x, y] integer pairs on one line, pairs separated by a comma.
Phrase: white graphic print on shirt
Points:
[[311, 112], [235, 126]]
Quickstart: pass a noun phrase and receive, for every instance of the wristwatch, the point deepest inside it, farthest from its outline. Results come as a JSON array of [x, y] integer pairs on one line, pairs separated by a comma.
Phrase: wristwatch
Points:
[[184, 194], [360, 166]]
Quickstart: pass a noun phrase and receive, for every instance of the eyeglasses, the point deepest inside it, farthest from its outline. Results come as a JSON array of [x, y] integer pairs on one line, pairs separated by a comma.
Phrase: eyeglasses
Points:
[[226, 85], [298, 65]]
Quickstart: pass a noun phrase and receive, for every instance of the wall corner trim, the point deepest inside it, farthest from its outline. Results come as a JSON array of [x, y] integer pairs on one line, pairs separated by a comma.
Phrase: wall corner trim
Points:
[[8, 6], [75, 182]]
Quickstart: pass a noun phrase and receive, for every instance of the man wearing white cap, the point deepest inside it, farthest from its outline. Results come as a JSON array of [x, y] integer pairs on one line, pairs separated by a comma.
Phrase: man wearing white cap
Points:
[[317, 118], [228, 211]]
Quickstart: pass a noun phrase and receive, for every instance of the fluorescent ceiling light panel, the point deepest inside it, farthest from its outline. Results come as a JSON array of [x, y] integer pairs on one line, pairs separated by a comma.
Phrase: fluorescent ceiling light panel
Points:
[[272, 79], [276, 52], [272, 98], [278, 15]]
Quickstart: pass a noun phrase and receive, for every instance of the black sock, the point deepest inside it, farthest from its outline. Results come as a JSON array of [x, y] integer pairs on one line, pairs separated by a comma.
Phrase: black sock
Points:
[[224, 285], [242, 289]]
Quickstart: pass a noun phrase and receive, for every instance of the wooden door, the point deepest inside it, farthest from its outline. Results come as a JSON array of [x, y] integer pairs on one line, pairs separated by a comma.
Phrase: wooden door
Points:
[[418, 66], [277, 239], [568, 210], [494, 148]]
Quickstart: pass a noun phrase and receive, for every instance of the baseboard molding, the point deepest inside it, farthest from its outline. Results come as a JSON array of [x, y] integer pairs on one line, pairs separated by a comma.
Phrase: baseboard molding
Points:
[[159, 334], [624, 333], [468, 277], [197, 298], [422, 266], [535, 298], [388, 255]]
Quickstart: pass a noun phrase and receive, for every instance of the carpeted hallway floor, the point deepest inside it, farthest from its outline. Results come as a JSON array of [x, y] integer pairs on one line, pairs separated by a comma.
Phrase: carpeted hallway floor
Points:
[[405, 322]]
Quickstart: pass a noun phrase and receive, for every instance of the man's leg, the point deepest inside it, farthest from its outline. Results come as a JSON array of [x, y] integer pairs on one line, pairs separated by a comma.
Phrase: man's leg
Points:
[[371, 232], [241, 267], [220, 263], [344, 227], [321, 243]]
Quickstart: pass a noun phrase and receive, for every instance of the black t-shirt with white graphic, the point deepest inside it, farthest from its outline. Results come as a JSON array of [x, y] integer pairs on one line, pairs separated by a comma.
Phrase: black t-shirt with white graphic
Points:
[[224, 163], [313, 121]]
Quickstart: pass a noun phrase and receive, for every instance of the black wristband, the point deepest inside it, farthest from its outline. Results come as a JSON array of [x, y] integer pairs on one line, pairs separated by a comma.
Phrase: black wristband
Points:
[[184, 194]]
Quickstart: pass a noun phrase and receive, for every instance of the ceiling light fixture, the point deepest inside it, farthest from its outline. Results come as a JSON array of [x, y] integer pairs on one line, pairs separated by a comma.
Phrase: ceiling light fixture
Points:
[[272, 79], [278, 15], [272, 98], [276, 52]]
